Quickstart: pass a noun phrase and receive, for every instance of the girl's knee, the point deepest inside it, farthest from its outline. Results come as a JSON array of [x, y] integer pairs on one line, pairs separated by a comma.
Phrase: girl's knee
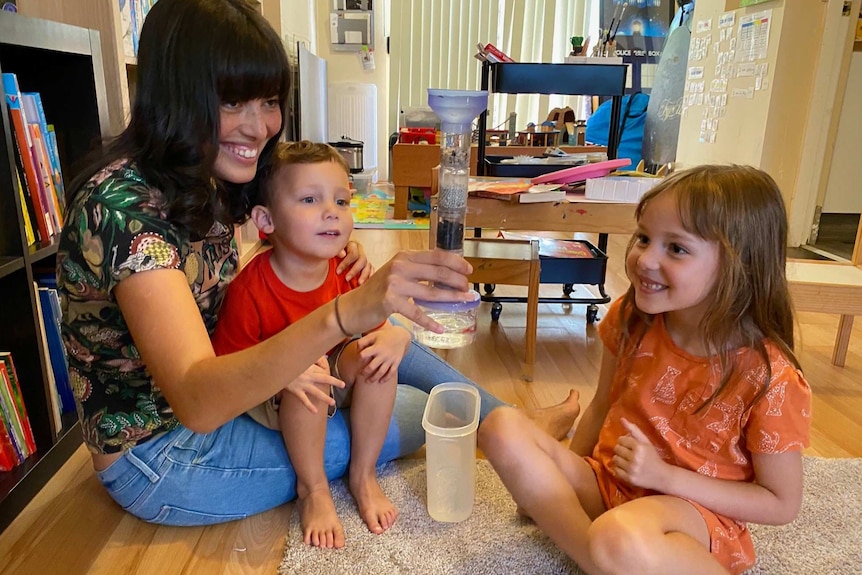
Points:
[[618, 545]]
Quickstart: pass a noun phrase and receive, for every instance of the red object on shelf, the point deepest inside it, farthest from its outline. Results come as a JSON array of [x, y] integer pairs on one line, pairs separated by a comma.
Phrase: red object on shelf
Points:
[[417, 136]]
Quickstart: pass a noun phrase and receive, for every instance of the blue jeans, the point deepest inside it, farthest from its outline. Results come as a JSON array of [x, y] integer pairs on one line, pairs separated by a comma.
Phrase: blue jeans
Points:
[[242, 468]]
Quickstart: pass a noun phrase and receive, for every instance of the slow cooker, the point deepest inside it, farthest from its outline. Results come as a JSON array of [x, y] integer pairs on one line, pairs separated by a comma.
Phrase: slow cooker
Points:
[[351, 151]]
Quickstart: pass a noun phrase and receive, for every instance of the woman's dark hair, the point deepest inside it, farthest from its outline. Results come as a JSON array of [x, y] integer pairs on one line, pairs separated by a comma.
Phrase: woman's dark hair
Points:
[[193, 56]]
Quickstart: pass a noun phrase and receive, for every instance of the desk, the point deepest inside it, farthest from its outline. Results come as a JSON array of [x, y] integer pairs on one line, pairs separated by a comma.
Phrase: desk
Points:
[[578, 214], [828, 287], [412, 165], [509, 262]]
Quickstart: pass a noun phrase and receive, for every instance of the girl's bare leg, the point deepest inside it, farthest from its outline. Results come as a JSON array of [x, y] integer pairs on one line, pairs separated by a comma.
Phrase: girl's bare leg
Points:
[[656, 534], [558, 490], [552, 485]]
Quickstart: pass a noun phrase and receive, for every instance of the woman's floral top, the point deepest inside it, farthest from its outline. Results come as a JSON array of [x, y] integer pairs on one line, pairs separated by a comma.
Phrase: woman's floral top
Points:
[[115, 227]]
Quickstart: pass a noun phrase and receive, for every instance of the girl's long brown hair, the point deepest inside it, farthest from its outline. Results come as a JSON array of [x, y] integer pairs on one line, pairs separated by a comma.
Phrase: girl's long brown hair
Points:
[[741, 209]]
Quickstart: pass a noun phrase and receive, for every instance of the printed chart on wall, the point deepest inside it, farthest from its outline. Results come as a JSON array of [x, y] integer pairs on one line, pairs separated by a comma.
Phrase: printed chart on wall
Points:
[[725, 61]]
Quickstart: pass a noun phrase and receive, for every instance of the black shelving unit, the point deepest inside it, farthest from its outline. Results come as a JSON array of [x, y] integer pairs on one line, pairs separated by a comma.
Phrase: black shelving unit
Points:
[[604, 80], [64, 64]]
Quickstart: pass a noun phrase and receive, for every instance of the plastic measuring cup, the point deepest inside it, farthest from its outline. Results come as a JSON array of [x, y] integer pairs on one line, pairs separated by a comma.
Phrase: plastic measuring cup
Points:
[[450, 421]]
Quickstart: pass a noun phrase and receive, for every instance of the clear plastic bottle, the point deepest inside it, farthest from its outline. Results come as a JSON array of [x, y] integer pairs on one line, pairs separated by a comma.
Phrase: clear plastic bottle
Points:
[[458, 318]]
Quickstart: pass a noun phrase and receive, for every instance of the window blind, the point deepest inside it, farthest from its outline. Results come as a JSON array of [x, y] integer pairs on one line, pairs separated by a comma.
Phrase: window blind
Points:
[[526, 30]]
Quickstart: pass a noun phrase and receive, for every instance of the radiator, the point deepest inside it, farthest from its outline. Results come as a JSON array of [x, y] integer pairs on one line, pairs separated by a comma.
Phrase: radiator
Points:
[[353, 113]]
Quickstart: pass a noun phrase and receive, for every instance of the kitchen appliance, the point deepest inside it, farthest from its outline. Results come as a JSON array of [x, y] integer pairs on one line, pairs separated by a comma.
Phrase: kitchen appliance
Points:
[[351, 151]]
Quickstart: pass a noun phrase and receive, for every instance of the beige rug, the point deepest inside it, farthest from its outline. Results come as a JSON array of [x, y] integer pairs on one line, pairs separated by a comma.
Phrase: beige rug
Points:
[[825, 539]]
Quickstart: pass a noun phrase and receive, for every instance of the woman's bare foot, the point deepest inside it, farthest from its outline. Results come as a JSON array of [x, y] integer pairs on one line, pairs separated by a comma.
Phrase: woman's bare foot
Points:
[[319, 520], [557, 420], [375, 508]]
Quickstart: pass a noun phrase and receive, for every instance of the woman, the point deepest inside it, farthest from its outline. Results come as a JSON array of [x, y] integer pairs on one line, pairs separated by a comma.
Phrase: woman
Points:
[[145, 256]]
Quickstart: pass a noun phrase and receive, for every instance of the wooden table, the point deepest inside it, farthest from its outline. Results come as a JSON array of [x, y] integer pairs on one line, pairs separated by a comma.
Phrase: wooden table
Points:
[[577, 214], [509, 262], [412, 165], [828, 287]]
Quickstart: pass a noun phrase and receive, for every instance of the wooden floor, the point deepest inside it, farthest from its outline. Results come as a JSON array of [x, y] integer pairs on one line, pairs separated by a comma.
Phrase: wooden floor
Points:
[[73, 527]]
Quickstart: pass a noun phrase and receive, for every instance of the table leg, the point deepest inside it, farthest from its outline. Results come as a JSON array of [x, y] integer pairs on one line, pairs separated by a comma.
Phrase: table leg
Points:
[[402, 194], [842, 340], [532, 304]]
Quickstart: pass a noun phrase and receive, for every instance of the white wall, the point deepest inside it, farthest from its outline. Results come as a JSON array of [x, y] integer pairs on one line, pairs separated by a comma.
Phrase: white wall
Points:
[[298, 19], [843, 191], [764, 128], [346, 67]]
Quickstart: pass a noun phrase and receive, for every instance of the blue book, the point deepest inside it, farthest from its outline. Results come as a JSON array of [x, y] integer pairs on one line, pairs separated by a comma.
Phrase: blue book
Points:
[[51, 312], [35, 112]]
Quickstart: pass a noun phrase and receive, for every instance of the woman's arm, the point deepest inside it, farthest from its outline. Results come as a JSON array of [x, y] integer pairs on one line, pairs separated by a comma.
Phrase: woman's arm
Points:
[[587, 432], [354, 262], [206, 391]]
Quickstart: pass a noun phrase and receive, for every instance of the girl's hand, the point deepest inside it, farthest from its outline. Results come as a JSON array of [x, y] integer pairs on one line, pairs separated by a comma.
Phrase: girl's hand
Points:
[[404, 277], [353, 257], [381, 351], [308, 386], [636, 460]]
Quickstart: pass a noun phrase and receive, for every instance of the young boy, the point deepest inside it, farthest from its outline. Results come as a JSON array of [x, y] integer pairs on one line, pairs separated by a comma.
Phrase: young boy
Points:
[[304, 209]]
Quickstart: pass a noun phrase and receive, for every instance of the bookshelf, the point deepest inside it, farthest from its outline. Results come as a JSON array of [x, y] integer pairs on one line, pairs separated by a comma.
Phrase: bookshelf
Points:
[[64, 64], [103, 16]]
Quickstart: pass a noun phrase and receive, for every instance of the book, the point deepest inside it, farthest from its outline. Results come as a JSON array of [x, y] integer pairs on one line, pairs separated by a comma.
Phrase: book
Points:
[[9, 415], [496, 54], [553, 248], [25, 152], [51, 313], [21, 409], [43, 166], [8, 456], [35, 112], [542, 193], [35, 184], [54, 412], [517, 190], [29, 231]]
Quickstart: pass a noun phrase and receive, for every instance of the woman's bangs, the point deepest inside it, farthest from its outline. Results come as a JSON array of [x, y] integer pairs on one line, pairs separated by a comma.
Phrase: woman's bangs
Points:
[[251, 70]]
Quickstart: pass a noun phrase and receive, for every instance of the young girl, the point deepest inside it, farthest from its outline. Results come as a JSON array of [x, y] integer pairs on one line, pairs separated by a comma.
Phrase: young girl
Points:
[[701, 411]]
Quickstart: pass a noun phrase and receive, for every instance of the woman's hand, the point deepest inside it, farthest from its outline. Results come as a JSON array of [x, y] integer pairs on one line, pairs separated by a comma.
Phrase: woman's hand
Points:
[[307, 387], [353, 260], [435, 275]]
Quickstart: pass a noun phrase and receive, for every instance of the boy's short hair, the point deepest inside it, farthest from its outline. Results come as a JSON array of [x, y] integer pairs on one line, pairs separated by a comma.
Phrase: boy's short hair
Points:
[[292, 153]]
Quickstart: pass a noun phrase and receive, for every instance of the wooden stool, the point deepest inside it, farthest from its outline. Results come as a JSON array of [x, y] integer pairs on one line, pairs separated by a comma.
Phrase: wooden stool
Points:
[[509, 262]]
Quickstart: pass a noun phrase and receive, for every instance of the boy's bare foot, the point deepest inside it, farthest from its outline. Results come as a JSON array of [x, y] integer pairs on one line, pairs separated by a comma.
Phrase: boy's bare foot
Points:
[[557, 420], [375, 508], [319, 520]]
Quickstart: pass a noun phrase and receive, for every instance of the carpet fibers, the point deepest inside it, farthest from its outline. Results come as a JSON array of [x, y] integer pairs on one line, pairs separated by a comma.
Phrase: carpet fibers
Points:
[[826, 538]]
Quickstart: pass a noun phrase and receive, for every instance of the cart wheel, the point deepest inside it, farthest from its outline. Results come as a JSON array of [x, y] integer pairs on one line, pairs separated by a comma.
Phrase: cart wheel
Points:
[[496, 310], [592, 313], [568, 289], [489, 288]]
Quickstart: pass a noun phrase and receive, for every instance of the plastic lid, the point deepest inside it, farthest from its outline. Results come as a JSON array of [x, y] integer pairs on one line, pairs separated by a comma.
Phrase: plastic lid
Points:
[[452, 306]]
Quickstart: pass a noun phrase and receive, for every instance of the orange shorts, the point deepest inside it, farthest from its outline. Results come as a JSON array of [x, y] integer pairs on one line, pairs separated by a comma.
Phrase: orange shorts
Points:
[[729, 540]]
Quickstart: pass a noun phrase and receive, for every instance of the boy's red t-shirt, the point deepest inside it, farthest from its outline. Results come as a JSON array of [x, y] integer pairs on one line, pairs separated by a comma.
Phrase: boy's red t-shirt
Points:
[[258, 305]]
